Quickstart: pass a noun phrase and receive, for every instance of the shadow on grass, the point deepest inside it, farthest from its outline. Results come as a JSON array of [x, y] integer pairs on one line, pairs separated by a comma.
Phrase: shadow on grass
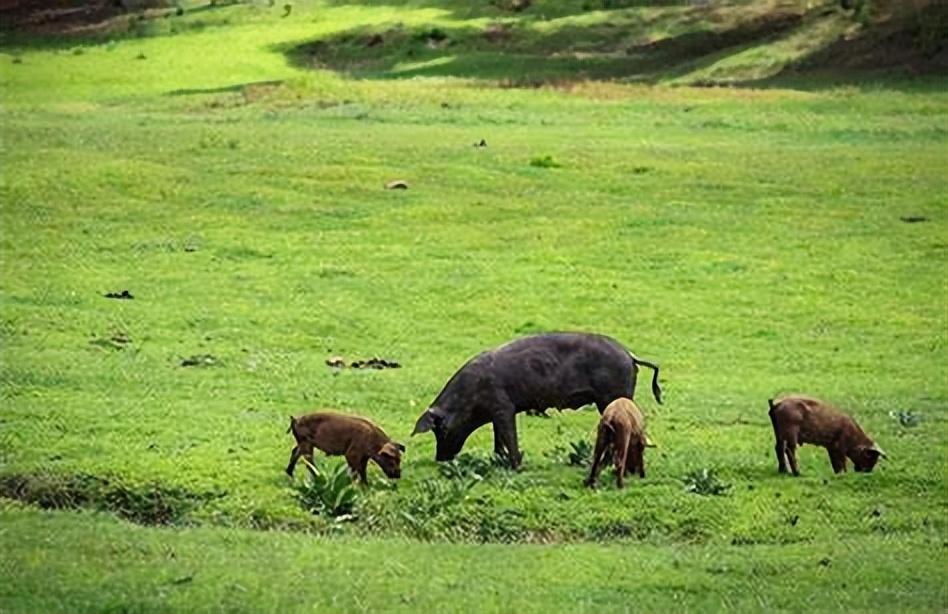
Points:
[[65, 24], [524, 10], [524, 51], [520, 55]]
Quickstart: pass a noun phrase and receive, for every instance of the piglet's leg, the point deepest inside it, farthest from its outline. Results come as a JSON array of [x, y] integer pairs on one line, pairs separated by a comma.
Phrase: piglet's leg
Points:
[[601, 445], [621, 450], [792, 456], [837, 459], [294, 457], [357, 464], [780, 449], [638, 458]]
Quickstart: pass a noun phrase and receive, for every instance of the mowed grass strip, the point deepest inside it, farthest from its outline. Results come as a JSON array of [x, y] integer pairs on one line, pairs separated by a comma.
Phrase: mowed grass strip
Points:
[[103, 566]]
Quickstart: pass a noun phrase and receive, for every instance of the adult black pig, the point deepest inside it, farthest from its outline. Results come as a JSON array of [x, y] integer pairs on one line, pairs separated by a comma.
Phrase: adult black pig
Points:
[[561, 370]]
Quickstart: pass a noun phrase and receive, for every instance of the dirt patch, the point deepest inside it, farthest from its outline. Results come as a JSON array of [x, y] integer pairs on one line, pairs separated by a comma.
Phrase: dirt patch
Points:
[[115, 341], [150, 504], [199, 360], [338, 362]]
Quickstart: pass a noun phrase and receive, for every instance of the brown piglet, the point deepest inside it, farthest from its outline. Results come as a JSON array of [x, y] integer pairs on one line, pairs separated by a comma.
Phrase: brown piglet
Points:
[[358, 439], [622, 427], [798, 420]]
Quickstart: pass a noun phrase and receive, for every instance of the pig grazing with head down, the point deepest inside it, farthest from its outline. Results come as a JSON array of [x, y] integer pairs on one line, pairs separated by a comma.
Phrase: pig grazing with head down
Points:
[[562, 370], [358, 439], [621, 427], [798, 420]]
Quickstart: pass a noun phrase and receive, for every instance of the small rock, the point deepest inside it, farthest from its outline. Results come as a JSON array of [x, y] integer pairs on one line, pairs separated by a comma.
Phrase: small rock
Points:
[[397, 184]]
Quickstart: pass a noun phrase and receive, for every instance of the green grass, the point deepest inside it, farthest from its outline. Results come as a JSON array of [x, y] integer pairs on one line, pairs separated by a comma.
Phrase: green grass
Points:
[[119, 568], [748, 240]]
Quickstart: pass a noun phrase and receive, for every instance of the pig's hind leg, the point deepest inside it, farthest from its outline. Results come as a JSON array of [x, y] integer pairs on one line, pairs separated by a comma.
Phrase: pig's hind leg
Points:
[[602, 444], [621, 451], [781, 449], [791, 446]]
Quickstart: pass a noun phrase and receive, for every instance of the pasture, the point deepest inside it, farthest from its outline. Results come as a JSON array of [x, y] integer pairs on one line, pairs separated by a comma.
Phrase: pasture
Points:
[[752, 229]]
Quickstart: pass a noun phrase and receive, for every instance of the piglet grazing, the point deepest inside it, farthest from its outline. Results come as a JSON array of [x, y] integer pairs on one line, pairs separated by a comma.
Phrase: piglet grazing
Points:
[[622, 427], [798, 420], [358, 439]]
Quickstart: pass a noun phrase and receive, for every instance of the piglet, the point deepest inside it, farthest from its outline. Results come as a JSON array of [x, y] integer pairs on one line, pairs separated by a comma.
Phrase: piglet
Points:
[[358, 439], [622, 427], [798, 420]]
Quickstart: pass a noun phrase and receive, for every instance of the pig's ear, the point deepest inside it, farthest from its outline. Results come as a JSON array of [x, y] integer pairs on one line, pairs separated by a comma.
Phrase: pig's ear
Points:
[[425, 422], [877, 450], [401, 447]]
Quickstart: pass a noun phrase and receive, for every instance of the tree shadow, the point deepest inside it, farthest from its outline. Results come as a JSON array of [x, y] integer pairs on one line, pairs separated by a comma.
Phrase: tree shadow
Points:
[[522, 10], [515, 53], [62, 24], [913, 44]]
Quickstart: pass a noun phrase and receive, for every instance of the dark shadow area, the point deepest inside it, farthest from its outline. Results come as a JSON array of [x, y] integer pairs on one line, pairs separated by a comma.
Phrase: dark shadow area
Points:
[[914, 42], [515, 53], [65, 23], [524, 10], [518, 55]]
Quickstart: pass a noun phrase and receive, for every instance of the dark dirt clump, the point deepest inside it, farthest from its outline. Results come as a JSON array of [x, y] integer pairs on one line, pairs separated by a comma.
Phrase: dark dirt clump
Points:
[[124, 294], [338, 362], [199, 360]]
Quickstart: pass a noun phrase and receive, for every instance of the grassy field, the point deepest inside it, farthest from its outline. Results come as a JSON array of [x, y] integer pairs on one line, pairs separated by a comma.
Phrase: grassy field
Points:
[[226, 167]]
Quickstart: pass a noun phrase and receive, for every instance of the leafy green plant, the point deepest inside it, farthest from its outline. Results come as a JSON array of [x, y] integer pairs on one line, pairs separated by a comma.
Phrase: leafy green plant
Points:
[[427, 509], [906, 417], [705, 482], [470, 466], [544, 162], [578, 453], [330, 493]]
